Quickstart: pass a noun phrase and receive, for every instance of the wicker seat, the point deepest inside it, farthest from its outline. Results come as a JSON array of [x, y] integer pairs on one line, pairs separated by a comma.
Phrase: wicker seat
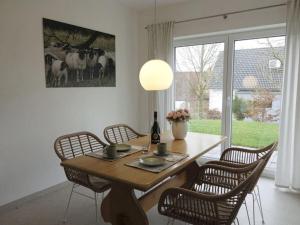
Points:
[[213, 198], [77, 144], [241, 157], [120, 133]]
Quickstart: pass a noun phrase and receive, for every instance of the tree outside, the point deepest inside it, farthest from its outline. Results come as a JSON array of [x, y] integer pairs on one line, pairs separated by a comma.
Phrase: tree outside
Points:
[[198, 62]]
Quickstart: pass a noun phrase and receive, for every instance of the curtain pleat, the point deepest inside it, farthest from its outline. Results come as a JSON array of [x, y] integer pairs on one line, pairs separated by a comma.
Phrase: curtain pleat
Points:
[[288, 162], [160, 46]]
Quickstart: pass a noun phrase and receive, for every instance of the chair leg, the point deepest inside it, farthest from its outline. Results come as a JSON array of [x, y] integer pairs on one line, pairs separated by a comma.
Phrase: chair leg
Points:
[[96, 206], [247, 211], [253, 205], [68, 205], [168, 222], [237, 221], [258, 199]]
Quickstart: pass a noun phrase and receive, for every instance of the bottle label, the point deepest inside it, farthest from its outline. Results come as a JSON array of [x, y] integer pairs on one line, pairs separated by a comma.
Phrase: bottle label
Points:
[[155, 139]]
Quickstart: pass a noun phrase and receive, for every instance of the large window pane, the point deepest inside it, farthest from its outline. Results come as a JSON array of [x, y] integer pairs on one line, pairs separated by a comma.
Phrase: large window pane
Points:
[[257, 83], [199, 86]]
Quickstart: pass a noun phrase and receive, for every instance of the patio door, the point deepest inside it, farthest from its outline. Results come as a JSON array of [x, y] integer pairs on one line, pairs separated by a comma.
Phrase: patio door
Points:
[[232, 85]]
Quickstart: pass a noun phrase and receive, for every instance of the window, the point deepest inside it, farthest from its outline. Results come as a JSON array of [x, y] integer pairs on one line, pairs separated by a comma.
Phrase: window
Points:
[[232, 85]]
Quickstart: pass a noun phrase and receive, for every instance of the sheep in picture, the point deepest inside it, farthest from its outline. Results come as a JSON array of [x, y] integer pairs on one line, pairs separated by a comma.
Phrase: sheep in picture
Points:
[[58, 50], [98, 69], [77, 63], [92, 60], [102, 61], [59, 71], [48, 64], [107, 68], [110, 68]]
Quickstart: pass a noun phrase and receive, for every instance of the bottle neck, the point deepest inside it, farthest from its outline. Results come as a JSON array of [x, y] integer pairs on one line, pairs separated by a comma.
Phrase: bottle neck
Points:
[[155, 116]]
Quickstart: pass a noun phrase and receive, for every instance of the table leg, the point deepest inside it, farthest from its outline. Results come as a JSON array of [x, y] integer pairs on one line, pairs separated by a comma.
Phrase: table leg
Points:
[[121, 207]]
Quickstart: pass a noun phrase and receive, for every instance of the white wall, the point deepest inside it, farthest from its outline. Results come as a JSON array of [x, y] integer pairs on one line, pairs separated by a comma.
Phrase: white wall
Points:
[[201, 8], [32, 116]]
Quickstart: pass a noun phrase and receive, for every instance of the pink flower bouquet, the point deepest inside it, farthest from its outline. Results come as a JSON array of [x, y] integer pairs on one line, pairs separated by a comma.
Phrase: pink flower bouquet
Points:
[[178, 115]]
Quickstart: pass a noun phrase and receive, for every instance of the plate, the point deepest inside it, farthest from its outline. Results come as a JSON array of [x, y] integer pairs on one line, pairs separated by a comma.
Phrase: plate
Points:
[[165, 154], [123, 147], [152, 161]]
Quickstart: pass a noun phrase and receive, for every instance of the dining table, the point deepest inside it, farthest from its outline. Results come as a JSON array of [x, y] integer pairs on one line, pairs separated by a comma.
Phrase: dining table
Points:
[[122, 206]]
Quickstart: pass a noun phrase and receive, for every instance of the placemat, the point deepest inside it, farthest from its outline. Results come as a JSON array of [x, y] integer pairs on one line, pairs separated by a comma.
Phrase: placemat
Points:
[[171, 159], [101, 155]]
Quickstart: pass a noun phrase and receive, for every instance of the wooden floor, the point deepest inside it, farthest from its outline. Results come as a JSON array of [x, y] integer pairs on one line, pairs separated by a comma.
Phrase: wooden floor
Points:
[[280, 209]]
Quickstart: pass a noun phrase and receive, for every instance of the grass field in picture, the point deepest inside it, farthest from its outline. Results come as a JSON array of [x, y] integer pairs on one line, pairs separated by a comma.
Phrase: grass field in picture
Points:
[[244, 133]]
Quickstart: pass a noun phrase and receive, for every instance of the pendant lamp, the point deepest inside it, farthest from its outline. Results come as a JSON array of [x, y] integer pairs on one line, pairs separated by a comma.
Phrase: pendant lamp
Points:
[[156, 74]]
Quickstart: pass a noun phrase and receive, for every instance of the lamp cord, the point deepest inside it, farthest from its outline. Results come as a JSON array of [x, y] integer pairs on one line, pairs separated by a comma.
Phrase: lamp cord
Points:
[[155, 28]]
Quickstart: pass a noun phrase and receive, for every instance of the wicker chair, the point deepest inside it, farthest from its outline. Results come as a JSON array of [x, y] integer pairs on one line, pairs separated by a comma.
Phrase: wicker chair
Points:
[[119, 133], [239, 157], [73, 145], [213, 198]]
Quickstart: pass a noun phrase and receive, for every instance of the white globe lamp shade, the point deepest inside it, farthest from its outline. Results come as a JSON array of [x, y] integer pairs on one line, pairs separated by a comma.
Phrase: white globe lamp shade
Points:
[[156, 75]]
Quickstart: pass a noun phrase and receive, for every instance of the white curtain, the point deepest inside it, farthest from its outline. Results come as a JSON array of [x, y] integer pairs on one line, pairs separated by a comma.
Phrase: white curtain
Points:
[[160, 46], [288, 164]]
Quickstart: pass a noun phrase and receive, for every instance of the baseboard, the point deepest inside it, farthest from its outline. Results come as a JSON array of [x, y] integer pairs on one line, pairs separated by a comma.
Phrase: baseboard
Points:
[[17, 203]]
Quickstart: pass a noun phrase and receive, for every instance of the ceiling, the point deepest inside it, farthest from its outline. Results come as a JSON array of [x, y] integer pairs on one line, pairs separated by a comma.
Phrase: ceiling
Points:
[[145, 4]]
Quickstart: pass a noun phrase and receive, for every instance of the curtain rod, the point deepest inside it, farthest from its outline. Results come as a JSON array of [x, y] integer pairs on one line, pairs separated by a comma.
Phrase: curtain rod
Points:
[[224, 15]]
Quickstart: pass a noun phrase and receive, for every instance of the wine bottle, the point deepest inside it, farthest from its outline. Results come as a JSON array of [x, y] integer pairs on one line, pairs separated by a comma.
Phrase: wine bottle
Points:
[[155, 131]]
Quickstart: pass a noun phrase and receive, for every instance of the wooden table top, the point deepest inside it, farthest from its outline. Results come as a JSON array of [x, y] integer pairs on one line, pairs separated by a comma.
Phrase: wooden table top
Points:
[[195, 145]]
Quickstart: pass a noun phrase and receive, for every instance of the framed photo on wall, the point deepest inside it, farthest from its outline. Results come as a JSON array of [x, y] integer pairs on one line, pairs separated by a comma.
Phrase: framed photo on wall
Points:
[[78, 57]]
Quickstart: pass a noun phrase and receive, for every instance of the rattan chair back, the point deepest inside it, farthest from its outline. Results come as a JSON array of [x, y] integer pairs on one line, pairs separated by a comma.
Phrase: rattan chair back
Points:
[[217, 179], [239, 156], [206, 203], [247, 156], [120, 133], [76, 144]]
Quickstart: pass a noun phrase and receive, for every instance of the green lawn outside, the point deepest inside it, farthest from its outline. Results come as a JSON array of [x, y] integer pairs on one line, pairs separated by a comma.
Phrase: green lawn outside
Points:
[[245, 133]]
